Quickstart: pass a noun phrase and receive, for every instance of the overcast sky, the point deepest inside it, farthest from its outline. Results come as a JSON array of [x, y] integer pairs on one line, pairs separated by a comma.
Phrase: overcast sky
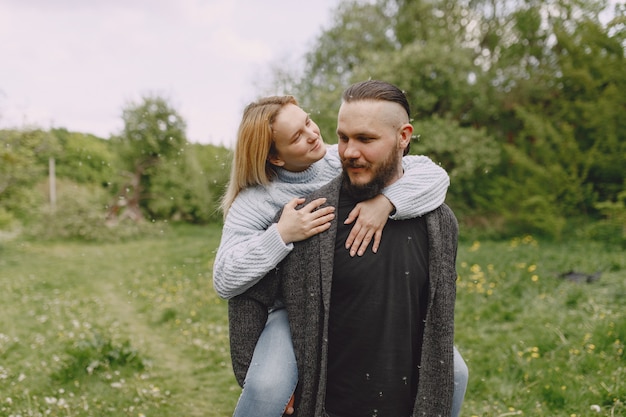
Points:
[[77, 63]]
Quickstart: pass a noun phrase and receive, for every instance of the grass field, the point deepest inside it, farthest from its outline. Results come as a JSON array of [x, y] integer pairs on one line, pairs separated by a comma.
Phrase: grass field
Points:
[[135, 329]]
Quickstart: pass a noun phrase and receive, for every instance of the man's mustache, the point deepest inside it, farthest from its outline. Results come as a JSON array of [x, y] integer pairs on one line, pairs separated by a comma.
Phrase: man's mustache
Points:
[[354, 163]]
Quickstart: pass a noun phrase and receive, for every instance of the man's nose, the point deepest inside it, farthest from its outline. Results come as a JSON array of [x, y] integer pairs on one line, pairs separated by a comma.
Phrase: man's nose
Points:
[[351, 150]]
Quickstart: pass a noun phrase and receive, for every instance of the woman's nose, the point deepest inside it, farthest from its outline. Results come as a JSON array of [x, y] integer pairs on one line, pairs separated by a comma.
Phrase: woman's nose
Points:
[[312, 135]]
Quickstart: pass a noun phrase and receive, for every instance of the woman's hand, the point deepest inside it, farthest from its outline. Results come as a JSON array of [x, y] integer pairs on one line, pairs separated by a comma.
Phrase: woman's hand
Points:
[[371, 216], [289, 409], [296, 225]]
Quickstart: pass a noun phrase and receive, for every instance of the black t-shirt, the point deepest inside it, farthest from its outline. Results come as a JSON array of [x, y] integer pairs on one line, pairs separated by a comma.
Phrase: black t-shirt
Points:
[[377, 314]]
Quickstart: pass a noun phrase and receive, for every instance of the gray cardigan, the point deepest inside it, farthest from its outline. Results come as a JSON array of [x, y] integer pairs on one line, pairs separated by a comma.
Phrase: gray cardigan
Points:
[[303, 281]]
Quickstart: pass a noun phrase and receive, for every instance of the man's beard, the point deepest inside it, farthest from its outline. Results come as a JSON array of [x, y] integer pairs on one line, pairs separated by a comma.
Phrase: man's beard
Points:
[[382, 176]]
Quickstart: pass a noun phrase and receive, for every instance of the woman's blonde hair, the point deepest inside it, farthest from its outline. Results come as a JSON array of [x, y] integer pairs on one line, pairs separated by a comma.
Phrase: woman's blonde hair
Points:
[[255, 144]]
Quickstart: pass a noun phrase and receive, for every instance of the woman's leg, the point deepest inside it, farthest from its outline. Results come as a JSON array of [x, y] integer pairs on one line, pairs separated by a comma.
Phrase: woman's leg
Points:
[[273, 374], [461, 375]]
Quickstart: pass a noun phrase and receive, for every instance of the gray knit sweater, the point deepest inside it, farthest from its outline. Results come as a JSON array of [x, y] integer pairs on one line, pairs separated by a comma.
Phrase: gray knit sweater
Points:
[[303, 282]]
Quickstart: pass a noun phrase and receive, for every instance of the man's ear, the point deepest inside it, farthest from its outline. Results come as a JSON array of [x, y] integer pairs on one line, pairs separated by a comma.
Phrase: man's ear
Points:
[[275, 160], [406, 133]]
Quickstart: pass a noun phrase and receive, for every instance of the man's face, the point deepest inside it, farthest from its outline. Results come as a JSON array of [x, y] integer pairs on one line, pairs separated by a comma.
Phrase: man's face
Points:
[[372, 135]]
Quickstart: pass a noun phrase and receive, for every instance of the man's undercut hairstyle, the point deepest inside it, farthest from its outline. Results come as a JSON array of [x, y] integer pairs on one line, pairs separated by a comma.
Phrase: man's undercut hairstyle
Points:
[[377, 90]]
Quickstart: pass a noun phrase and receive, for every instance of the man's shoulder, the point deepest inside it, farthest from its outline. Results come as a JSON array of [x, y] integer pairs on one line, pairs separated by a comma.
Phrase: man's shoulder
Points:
[[442, 211], [441, 222], [329, 190]]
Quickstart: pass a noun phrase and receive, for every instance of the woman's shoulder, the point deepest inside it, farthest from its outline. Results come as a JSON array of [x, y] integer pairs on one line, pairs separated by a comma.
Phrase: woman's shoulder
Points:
[[253, 201]]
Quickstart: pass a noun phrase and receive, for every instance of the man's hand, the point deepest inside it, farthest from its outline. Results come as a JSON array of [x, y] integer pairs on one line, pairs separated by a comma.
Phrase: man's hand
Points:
[[371, 217], [289, 409]]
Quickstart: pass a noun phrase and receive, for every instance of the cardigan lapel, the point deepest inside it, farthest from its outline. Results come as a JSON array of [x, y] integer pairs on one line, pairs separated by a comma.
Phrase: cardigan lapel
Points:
[[327, 244]]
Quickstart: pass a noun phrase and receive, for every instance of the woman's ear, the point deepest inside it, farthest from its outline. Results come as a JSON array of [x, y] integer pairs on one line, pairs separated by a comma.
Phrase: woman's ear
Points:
[[275, 160]]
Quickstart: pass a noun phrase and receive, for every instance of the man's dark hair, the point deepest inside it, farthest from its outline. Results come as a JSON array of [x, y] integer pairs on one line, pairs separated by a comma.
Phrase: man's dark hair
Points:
[[378, 90]]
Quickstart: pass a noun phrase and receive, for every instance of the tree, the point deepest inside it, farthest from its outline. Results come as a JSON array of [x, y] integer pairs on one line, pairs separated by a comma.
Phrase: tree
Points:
[[153, 131], [188, 188], [520, 101], [85, 158]]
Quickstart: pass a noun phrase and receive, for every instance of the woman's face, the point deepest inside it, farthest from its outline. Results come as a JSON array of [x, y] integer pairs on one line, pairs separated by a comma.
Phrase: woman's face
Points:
[[297, 140]]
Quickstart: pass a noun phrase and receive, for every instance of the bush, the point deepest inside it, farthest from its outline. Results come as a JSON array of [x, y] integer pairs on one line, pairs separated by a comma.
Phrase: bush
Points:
[[80, 213]]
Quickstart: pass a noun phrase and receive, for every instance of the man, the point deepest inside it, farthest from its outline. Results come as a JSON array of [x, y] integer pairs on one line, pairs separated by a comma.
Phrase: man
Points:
[[381, 341]]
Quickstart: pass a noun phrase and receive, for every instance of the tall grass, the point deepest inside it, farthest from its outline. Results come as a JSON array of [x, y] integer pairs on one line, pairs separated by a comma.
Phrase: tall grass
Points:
[[135, 328]]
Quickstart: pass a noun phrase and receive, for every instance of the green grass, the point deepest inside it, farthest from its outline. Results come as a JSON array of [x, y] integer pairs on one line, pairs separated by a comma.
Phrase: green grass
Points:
[[135, 328], [537, 345], [127, 329]]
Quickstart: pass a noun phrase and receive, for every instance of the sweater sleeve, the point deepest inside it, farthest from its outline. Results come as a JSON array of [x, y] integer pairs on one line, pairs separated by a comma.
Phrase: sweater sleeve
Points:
[[250, 247], [421, 189]]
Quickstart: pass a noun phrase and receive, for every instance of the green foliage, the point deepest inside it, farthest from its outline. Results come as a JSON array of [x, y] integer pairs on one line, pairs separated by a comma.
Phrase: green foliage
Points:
[[469, 155], [152, 129], [23, 163], [189, 187], [535, 86], [80, 215], [612, 227], [85, 159]]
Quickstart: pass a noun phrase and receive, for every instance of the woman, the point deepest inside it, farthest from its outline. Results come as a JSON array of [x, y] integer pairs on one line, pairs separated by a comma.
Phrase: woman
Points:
[[280, 154]]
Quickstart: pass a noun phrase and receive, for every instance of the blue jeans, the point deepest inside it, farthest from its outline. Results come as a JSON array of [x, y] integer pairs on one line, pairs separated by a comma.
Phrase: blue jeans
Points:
[[461, 375], [273, 374]]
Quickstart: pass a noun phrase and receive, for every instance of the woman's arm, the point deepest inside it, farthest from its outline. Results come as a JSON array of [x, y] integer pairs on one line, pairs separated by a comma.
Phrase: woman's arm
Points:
[[252, 245], [421, 189]]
